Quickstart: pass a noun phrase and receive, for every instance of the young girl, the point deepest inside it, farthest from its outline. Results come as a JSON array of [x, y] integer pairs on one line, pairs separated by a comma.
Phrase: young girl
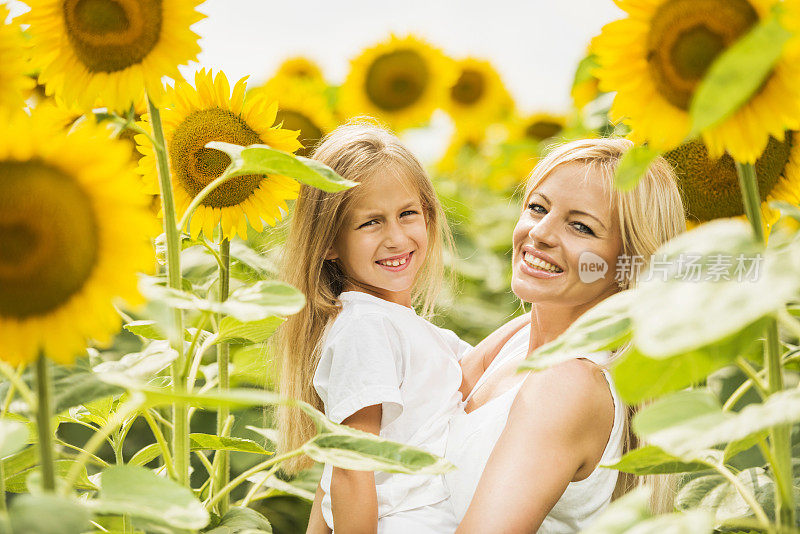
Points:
[[363, 258]]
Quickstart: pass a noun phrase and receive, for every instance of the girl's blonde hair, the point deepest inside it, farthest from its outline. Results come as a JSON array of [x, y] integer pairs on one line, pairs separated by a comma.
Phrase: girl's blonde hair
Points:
[[649, 215], [362, 152]]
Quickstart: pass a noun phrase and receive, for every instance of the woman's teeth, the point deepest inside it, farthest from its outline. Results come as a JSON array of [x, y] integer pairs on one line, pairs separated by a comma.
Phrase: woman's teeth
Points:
[[393, 263], [539, 263]]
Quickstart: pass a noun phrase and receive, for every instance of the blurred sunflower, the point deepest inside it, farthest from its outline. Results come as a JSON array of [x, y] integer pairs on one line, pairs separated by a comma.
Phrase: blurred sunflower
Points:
[[538, 127], [300, 68], [14, 84], [710, 186], [110, 51], [478, 97], [192, 117], [655, 59], [465, 149], [303, 107], [400, 81], [73, 233]]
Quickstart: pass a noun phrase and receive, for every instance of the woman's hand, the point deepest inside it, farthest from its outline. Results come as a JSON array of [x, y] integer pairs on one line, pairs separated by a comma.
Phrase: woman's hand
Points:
[[557, 430], [353, 495], [475, 362]]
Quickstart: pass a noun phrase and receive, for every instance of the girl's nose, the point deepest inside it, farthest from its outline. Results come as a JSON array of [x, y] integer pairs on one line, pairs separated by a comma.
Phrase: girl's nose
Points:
[[395, 235]]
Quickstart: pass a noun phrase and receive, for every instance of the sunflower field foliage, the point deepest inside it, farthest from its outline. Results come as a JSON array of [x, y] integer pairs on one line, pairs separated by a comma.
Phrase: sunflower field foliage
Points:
[[143, 214]]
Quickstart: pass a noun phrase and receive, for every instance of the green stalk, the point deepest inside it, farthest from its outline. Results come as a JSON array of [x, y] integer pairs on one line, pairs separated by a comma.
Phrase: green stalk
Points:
[[44, 411], [223, 360], [180, 433], [780, 438]]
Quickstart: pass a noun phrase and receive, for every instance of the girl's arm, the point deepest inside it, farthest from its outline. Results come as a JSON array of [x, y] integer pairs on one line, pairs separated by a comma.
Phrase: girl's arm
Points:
[[475, 362], [353, 494], [557, 431], [316, 523]]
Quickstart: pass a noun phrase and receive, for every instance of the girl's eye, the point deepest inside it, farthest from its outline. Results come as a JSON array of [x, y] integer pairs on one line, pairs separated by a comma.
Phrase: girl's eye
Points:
[[369, 223], [582, 228], [409, 212], [537, 208]]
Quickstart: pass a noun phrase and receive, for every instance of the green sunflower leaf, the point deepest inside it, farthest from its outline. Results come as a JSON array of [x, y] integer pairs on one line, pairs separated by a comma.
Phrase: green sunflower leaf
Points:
[[261, 159], [604, 327], [633, 166], [631, 513], [737, 74], [48, 514], [13, 437], [707, 284], [717, 495], [127, 489], [231, 330], [242, 520], [254, 302], [585, 70], [690, 421], [652, 460]]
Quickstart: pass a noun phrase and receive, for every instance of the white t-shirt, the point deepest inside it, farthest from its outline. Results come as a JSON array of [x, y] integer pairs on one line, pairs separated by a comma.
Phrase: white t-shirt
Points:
[[473, 435], [379, 352]]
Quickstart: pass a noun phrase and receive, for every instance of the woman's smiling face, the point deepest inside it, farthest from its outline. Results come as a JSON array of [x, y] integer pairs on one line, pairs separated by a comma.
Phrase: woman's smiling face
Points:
[[566, 226]]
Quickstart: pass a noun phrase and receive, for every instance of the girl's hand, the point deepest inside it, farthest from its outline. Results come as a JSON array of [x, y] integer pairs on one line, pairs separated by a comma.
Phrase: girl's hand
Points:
[[353, 494], [316, 523], [475, 362]]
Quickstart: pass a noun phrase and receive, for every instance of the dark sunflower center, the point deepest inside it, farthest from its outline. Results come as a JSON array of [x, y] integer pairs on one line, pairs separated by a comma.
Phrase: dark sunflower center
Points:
[[397, 80], [540, 130], [469, 88], [310, 133], [48, 238], [112, 35], [710, 188], [196, 166], [686, 36]]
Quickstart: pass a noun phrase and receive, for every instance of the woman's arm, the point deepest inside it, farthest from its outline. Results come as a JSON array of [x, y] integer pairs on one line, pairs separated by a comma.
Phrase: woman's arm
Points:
[[557, 430], [353, 495], [475, 362], [316, 523]]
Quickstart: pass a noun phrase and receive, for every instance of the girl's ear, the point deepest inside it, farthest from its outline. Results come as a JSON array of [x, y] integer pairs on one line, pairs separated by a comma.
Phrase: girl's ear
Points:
[[331, 254]]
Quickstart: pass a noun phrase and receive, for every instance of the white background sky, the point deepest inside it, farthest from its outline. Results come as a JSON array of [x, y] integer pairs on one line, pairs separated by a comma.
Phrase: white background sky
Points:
[[535, 44]]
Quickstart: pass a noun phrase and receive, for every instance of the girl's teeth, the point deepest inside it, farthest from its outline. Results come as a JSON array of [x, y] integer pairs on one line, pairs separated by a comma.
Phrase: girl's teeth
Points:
[[394, 263]]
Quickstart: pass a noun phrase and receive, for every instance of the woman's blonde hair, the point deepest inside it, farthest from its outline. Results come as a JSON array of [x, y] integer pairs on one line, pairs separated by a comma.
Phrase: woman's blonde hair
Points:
[[362, 152], [649, 215]]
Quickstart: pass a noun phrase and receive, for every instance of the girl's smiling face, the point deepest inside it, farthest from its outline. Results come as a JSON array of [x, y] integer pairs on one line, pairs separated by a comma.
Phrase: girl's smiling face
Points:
[[384, 239], [567, 218]]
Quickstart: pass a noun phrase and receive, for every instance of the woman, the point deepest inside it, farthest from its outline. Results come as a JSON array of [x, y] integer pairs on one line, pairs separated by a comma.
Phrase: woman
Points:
[[528, 445]]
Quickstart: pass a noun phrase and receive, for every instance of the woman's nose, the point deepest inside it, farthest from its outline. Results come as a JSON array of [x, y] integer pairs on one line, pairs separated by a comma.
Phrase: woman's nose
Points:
[[543, 232]]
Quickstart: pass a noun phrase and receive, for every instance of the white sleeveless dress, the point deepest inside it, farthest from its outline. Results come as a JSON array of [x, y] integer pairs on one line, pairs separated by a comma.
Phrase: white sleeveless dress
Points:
[[473, 435]]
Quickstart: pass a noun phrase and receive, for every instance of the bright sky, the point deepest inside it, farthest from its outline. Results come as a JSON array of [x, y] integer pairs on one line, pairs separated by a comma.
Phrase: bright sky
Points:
[[534, 44]]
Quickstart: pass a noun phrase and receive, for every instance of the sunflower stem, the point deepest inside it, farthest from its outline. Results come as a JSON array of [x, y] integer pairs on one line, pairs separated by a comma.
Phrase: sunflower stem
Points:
[[223, 361], [44, 411], [780, 436], [180, 434]]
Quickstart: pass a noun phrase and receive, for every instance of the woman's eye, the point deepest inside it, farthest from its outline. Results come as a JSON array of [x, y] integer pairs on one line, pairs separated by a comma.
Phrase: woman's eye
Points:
[[536, 208], [582, 228]]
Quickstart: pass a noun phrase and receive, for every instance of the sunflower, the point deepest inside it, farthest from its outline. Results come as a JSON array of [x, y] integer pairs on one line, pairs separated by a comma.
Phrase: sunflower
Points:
[[710, 186], [194, 116], [538, 127], [110, 51], [303, 106], [14, 84], [400, 81], [478, 97], [300, 68], [656, 58], [73, 225]]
